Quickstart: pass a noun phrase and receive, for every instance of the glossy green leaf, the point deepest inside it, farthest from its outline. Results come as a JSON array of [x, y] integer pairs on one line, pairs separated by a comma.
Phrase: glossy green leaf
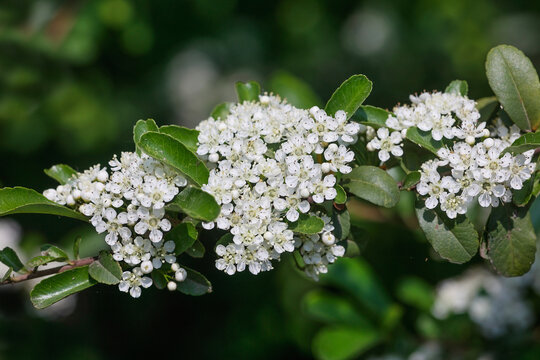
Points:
[[105, 269], [297, 92], [342, 224], [188, 137], [196, 250], [196, 203], [307, 224], [142, 127], [6, 275], [221, 111], [9, 257], [54, 251], [248, 91], [195, 284], [372, 184], [456, 240], [39, 260], [61, 173], [332, 309], [57, 287], [459, 87], [411, 179], [522, 196], [511, 240], [343, 342], [349, 95], [170, 151], [423, 139], [159, 280], [415, 156], [524, 143], [76, 247], [371, 116], [20, 200], [183, 235], [488, 108], [341, 197], [514, 81]]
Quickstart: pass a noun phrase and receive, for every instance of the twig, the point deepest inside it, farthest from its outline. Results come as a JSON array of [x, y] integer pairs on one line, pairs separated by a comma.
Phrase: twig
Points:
[[57, 270]]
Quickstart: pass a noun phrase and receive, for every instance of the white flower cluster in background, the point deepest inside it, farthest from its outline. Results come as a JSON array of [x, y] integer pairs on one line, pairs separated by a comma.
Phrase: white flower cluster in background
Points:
[[272, 162], [128, 204], [495, 303], [475, 159]]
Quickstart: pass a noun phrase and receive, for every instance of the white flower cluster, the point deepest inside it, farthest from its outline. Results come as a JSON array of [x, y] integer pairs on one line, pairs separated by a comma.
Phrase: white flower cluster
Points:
[[265, 173], [475, 169], [129, 206], [495, 303]]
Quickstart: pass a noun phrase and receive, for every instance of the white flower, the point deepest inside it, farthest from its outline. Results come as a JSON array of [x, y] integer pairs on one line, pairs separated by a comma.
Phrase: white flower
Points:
[[132, 282], [387, 144]]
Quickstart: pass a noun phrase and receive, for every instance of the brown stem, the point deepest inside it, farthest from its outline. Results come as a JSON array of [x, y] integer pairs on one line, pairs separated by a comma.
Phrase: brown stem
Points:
[[57, 270]]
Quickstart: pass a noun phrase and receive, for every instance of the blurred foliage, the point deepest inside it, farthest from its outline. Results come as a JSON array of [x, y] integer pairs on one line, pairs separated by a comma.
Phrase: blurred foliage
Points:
[[74, 78]]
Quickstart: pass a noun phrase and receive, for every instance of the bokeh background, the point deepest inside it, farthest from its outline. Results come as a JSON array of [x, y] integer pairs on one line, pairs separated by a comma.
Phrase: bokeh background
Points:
[[76, 75]]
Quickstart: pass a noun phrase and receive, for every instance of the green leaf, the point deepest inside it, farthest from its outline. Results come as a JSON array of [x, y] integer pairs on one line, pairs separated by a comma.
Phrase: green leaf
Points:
[[248, 91], [225, 239], [54, 251], [307, 224], [221, 111], [349, 95], [106, 270], [19, 200], [416, 292], [332, 309], [341, 197], [195, 284], [142, 127], [371, 116], [524, 143], [456, 240], [172, 152], [514, 81], [414, 156], [196, 203], [458, 87], [373, 184], [40, 260], [197, 250], [61, 173], [59, 286], [352, 249], [488, 108], [511, 240], [343, 342], [76, 247], [7, 275], [522, 196], [9, 257], [183, 235], [342, 224], [188, 137], [158, 278], [423, 139], [297, 92], [411, 180]]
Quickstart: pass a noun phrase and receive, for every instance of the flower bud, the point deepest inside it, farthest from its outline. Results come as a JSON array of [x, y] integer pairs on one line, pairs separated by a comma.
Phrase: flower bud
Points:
[[325, 167], [171, 285], [102, 176], [180, 275], [146, 267], [470, 140], [489, 142], [369, 147], [175, 267], [486, 132]]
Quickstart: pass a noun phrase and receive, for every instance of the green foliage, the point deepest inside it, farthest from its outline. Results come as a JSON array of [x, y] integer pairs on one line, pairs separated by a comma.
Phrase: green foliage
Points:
[[142, 127], [248, 91], [307, 224], [511, 240], [57, 287], [423, 139], [184, 236], [19, 200], [221, 111], [172, 152], [524, 143], [61, 173], [159, 279], [343, 342], [488, 108], [416, 292], [196, 250], [297, 92], [195, 203], [456, 240], [195, 283], [10, 258], [372, 184], [76, 248], [342, 224], [54, 251], [459, 87], [39, 261], [341, 197], [186, 136], [349, 95], [514, 81], [411, 179], [105, 269], [371, 116]]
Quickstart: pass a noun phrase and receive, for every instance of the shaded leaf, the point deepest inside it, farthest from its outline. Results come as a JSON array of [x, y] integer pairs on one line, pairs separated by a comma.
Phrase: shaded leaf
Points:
[[488, 108], [9, 257], [54, 251], [341, 197], [349, 95], [183, 235], [524, 143], [352, 249], [170, 151], [248, 91], [196, 250], [307, 224], [195, 284], [459, 87], [332, 309], [61, 173], [105, 269], [221, 111], [372, 184], [416, 292], [411, 180], [188, 137], [158, 278], [342, 224], [7, 274], [142, 127], [371, 116], [415, 156], [76, 247], [40, 260], [19, 200], [514, 81], [57, 287], [343, 342], [196, 203], [423, 139]]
